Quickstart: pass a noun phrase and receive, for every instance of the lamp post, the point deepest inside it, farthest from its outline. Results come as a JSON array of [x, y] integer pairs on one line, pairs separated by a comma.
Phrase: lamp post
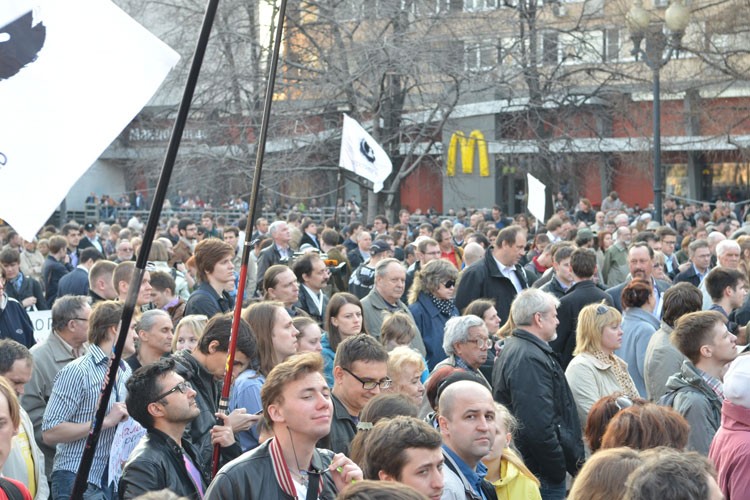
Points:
[[660, 47]]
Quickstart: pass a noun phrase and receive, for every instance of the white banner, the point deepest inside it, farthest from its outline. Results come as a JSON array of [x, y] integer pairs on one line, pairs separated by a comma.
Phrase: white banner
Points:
[[72, 76], [42, 321], [362, 155], [537, 198]]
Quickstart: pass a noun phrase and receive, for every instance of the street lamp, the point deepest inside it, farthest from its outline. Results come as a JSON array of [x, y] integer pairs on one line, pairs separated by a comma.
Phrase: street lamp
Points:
[[660, 47]]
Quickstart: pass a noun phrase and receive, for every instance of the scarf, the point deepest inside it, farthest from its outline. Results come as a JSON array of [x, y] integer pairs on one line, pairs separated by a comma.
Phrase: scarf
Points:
[[281, 470], [621, 373], [445, 306]]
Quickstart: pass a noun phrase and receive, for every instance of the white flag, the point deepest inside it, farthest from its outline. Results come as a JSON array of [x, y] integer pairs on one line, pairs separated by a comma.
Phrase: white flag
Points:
[[79, 73], [537, 198], [362, 155]]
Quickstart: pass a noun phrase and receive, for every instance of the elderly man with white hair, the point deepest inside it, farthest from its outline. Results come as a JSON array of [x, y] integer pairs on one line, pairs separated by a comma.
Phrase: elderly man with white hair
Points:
[[727, 255], [466, 341]]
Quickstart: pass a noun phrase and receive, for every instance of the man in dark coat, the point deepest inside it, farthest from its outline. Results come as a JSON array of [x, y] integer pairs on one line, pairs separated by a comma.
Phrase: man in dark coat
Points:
[[581, 294], [530, 382], [641, 265], [700, 262], [76, 282], [498, 276]]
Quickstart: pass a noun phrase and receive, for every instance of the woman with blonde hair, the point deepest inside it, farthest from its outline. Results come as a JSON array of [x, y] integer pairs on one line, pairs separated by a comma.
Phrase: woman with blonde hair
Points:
[[405, 368], [431, 304], [595, 370], [603, 476], [188, 332], [505, 469]]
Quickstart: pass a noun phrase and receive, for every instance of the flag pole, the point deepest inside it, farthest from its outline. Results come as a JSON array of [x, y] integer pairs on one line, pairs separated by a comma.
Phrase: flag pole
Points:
[[81, 481], [339, 183], [252, 206]]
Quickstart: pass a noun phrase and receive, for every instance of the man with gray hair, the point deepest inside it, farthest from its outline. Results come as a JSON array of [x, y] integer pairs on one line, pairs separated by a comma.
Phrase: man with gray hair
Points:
[[66, 342], [154, 338], [466, 342], [728, 256], [530, 382], [279, 252], [385, 297]]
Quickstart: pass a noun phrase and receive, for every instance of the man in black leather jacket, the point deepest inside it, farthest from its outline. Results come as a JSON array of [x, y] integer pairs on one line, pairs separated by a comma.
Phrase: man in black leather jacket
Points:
[[164, 403], [297, 405]]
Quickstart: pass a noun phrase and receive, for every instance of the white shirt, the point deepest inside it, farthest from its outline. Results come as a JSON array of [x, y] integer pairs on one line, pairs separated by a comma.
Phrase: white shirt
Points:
[[509, 272]]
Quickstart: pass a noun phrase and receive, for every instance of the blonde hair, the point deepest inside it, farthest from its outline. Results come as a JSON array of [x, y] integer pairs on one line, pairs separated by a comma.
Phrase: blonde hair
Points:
[[402, 356], [14, 410], [603, 475], [505, 417], [196, 322], [591, 322]]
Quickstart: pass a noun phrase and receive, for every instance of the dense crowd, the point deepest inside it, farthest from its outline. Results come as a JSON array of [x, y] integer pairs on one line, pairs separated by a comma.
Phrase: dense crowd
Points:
[[598, 354]]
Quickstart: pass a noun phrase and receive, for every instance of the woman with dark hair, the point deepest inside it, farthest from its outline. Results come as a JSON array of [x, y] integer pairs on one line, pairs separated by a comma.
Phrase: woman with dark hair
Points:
[[638, 325], [276, 338], [344, 318], [431, 303], [642, 427], [604, 240]]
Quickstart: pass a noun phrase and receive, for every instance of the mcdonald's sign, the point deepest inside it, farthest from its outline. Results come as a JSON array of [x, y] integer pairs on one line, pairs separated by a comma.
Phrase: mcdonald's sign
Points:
[[459, 140]]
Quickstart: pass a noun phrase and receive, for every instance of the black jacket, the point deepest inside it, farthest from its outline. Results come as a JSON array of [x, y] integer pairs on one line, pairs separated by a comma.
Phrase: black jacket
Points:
[[251, 477], [268, 257], [343, 429], [307, 304], [689, 275], [580, 295], [198, 432], [52, 271], [156, 463], [307, 239], [528, 380], [483, 280], [554, 287], [205, 300], [76, 282], [29, 288]]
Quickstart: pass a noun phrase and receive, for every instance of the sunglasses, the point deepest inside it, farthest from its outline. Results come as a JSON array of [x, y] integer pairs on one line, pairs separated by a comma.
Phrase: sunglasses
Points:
[[601, 309], [449, 284], [623, 402]]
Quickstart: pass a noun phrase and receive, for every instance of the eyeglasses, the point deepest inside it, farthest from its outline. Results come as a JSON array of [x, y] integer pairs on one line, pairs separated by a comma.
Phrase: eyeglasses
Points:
[[449, 284], [182, 387], [79, 319], [623, 402], [480, 343], [369, 385]]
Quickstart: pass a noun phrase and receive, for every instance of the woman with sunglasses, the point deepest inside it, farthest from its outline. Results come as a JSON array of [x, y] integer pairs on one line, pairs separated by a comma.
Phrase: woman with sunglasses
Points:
[[595, 370], [431, 304]]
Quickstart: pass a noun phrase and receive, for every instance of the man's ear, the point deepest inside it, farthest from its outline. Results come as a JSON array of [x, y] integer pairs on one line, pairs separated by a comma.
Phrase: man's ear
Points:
[[338, 374], [213, 346], [274, 411], [384, 476]]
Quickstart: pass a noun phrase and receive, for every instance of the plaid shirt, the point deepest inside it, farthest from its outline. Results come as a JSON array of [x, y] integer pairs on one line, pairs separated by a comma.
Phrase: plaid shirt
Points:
[[714, 383]]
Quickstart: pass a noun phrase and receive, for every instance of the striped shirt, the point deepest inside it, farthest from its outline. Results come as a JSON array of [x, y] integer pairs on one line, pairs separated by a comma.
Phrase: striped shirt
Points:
[[74, 398]]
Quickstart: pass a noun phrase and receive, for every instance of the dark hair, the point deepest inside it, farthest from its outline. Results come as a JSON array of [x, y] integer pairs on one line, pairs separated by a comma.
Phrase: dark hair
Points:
[[636, 293], [10, 352], [90, 253], [380, 490], [338, 301], [10, 256], [219, 328], [437, 377], [330, 237], [722, 277], [184, 223], [69, 228], [105, 314], [232, 229], [261, 318], [600, 239], [271, 277], [670, 474], [583, 262], [389, 439], [163, 281], [679, 300], [508, 236], [143, 387], [304, 265], [284, 373], [398, 327], [360, 347], [383, 406], [478, 307], [601, 413], [646, 426], [693, 331]]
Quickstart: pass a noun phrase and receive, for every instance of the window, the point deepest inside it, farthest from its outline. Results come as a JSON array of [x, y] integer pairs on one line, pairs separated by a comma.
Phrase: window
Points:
[[480, 55], [550, 48], [612, 44], [582, 47], [479, 5], [450, 5]]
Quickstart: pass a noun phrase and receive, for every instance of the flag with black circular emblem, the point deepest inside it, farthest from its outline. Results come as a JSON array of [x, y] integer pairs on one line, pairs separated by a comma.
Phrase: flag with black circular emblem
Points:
[[362, 155]]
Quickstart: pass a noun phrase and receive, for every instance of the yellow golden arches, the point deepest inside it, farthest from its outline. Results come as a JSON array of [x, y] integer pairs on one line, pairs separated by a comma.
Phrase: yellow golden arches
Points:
[[466, 145]]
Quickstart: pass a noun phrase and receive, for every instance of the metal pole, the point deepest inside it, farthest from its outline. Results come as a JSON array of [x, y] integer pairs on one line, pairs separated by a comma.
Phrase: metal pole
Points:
[[657, 147], [247, 248], [81, 481]]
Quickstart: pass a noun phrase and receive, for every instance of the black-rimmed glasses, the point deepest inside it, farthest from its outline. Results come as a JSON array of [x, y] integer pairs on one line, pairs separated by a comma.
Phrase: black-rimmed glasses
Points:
[[182, 387], [449, 284], [369, 385]]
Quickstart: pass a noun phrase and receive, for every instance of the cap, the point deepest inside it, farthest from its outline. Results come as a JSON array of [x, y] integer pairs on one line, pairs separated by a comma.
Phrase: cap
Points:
[[585, 233], [737, 382], [90, 226], [379, 246], [653, 225]]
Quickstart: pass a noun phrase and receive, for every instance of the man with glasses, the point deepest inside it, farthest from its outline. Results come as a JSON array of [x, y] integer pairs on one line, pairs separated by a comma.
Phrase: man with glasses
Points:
[[427, 250], [360, 371], [66, 342], [668, 237], [164, 404], [528, 380], [466, 342]]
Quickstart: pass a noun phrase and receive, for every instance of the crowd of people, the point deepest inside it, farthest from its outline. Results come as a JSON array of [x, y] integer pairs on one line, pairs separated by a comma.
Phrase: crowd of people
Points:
[[598, 354]]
